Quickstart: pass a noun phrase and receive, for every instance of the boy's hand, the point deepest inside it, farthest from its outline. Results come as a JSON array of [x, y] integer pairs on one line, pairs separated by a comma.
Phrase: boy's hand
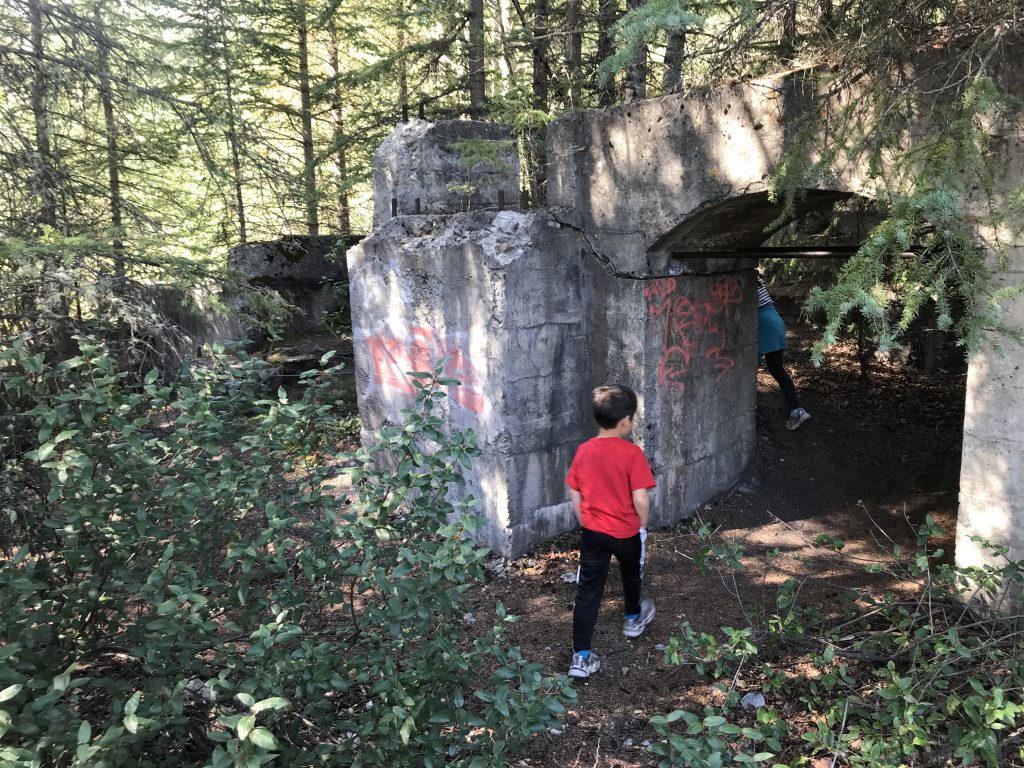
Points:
[[643, 536], [642, 505], [577, 504]]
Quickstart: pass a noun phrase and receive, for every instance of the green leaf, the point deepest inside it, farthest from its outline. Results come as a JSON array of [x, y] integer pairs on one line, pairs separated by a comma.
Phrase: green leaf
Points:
[[275, 702], [245, 726], [407, 729], [132, 705], [42, 453], [60, 682], [10, 692], [263, 738], [65, 435]]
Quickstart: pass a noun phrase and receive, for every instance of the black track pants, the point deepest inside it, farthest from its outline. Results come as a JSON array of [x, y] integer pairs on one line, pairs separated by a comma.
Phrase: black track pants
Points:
[[773, 362], [596, 550]]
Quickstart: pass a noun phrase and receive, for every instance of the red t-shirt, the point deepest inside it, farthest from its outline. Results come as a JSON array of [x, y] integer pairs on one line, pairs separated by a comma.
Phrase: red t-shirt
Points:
[[606, 471]]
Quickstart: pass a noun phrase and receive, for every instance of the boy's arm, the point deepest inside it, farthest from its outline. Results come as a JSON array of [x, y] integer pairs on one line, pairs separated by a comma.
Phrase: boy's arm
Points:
[[642, 505], [577, 504]]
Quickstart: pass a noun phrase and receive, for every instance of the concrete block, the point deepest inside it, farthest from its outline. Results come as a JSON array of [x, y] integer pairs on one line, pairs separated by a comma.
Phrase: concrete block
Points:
[[426, 168], [295, 260]]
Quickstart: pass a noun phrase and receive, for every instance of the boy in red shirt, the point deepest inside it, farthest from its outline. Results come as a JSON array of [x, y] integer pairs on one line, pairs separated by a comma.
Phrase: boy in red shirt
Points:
[[608, 481]]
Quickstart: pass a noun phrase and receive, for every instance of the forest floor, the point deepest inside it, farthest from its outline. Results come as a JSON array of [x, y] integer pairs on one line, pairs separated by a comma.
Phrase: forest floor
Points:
[[879, 455]]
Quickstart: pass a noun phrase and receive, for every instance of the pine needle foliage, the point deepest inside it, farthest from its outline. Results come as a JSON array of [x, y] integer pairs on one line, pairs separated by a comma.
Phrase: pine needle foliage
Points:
[[925, 254], [918, 95], [647, 23]]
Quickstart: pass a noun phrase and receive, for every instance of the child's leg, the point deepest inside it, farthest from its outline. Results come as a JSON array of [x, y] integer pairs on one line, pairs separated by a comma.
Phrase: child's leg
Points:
[[773, 362], [595, 557], [630, 554]]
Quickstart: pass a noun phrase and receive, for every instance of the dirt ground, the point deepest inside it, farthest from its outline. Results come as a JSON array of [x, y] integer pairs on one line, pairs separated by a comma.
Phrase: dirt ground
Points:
[[876, 458]]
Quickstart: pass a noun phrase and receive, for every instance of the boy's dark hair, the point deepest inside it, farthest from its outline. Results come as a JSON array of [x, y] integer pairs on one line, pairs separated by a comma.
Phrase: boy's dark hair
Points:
[[612, 404]]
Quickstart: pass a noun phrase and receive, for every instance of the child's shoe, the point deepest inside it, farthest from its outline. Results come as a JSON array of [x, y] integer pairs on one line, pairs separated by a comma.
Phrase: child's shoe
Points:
[[797, 417], [634, 627], [584, 667]]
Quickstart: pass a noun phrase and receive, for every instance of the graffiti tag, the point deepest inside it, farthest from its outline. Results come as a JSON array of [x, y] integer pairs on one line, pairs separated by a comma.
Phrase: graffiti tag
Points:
[[421, 349], [691, 327]]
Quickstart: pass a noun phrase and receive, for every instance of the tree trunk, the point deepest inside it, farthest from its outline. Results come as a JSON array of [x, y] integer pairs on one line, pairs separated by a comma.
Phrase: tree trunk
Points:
[[675, 51], [477, 81], [113, 157], [541, 75], [44, 172], [309, 159], [509, 46], [340, 157], [232, 137], [607, 14], [574, 51], [787, 33], [541, 80], [636, 73], [826, 16], [403, 68]]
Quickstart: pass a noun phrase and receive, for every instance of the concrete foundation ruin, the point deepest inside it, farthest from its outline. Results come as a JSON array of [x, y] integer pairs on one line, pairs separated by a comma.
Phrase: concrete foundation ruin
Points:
[[531, 312], [630, 275]]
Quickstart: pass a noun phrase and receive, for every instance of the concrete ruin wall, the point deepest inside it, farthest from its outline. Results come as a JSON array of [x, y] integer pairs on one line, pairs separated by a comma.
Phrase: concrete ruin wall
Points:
[[197, 316], [538, 307], [992, 464], [307, 271], [680, 173], [428, 168], [494, 293], [531, 318]]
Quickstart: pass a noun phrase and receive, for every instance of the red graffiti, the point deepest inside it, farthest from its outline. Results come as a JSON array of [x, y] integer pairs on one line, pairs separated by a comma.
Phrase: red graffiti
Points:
[[691, 326], [420, 350]]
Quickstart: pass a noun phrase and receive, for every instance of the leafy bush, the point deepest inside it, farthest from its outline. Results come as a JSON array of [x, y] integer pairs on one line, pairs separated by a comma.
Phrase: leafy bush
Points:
[[180, 587], [924, 679]]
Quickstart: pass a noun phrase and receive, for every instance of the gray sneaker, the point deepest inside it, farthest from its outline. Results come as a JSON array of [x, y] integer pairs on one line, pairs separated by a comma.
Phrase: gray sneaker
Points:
[[635, 627], [796, 418], [581, 667]]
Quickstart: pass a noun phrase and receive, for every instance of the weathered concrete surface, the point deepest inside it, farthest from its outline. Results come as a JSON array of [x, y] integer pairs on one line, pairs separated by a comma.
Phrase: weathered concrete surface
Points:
[[680, 173], [304, 270], [531, 322], [449, 167], [503, 298], [992, 465], [684, 345], [197, 315], [295, 260], [535, 314], [531, 318]]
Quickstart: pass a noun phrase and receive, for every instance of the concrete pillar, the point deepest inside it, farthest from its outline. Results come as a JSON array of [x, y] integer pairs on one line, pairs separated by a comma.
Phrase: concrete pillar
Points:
[[503, 297], [992, 464], [531, 316]]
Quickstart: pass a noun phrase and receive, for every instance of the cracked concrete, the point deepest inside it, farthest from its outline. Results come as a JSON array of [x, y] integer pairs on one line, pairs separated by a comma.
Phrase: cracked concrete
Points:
[[532, 309]]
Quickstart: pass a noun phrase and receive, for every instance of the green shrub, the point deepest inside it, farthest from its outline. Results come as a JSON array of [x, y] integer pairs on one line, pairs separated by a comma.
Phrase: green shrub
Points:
[[180, 587], [921, 679]]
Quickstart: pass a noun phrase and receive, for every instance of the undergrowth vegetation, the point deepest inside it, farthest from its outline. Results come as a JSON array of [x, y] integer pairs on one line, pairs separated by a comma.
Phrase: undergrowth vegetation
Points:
[[179, 586], [927, 674]]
